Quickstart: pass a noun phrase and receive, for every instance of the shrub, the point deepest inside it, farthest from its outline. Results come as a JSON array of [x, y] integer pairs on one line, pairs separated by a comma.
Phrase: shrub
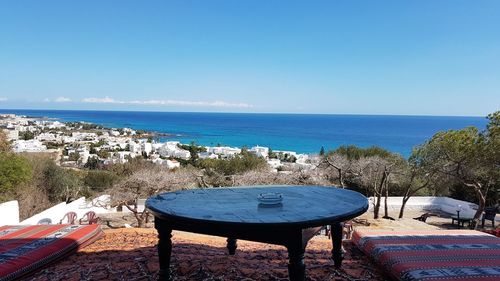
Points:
[[99, 180], [236, 165], [14, 170]]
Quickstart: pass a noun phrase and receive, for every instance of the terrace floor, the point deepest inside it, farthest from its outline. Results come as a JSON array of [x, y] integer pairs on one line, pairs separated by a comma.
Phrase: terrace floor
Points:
[[130, 254]]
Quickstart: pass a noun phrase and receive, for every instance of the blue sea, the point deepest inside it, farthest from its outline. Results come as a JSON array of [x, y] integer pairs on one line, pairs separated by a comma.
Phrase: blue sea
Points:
[[304, 133]]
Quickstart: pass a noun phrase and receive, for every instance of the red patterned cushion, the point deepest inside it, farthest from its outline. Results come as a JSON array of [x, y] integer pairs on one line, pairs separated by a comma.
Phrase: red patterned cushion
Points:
[[433, 255], [25, 248]]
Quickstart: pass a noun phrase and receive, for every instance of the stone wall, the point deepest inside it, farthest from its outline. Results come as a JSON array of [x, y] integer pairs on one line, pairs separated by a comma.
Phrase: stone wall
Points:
[[429, 203], [9, 213]]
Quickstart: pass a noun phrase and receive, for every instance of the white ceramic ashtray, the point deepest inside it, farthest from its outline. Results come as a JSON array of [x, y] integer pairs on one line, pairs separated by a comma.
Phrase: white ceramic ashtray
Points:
[[271, 198]]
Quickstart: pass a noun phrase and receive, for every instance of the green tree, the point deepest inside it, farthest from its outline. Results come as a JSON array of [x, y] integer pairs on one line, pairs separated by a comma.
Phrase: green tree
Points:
[[146, 182], [373, 169], [14, 170], [60, 183], [127, 169], [103, 153], [99, 143], [93, 163], [413, 178], [492, 147], [32, 195], [26, 135], [377, 175], [289, 158], [322, 151], [74, 156], [354, 152], [99, 180], [193, 149], [272, 154], [467, 156], [235, 165]]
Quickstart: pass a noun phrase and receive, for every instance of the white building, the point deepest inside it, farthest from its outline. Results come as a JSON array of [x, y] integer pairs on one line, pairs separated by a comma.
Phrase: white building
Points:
[[23, 128], [68, 139], [129, 131], [8, 115], [28, 146], [146, 147], [224, 151], [172, 164], [82, 136], [157, 146], [55, 125], [114, 133], [302, 158], [208, 155], [122, 156], [135, 147], [274, 163], [170, 149], [181, 153], [49, 137], [260, 151], [104, 135], [84, 154], [141, 147], [11, 134], [289, 153], [157, 161]]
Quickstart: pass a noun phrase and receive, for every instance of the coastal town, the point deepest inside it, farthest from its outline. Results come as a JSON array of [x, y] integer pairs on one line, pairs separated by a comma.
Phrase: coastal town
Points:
[[250, 140], [80, 144]]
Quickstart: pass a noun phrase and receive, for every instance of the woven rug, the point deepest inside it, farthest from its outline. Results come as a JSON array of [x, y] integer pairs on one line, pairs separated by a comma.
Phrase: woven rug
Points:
[[25, 248], [433, 255]]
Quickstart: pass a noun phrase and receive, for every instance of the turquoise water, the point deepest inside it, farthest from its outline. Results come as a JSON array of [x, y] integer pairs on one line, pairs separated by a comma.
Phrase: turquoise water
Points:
[[304, 133]]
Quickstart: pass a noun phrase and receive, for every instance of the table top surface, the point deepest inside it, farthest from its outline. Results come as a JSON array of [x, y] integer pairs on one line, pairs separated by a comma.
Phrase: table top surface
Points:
[[301, 205]]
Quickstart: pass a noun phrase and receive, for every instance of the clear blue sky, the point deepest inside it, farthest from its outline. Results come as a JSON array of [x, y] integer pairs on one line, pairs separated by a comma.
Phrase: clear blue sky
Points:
[[362, 57]]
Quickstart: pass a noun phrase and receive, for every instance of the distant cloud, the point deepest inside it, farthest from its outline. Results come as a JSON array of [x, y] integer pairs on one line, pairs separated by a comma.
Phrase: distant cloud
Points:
[[3, 99], [62, 99], [169, 102], [191, 103], [101, 100]]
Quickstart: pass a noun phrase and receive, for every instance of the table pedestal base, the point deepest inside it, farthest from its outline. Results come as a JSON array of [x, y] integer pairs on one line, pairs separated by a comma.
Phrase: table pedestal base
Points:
[[295, 240], [231, 246], [296, 247], [164, 250], [296, 266], [337, 254]]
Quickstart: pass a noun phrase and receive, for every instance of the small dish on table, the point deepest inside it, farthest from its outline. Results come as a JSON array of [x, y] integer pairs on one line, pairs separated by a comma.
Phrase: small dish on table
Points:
[[270, 199]]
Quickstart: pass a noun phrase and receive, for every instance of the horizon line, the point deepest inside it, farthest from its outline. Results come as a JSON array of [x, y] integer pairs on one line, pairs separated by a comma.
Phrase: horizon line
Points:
[[232, 112]]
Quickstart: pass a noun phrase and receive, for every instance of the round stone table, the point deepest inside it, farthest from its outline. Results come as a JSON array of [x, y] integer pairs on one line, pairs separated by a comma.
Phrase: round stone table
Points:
[[236, 213]]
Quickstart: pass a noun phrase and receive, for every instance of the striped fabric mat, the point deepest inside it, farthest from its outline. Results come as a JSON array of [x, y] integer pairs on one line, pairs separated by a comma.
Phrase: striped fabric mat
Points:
[[26, 248], [433, 255]]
